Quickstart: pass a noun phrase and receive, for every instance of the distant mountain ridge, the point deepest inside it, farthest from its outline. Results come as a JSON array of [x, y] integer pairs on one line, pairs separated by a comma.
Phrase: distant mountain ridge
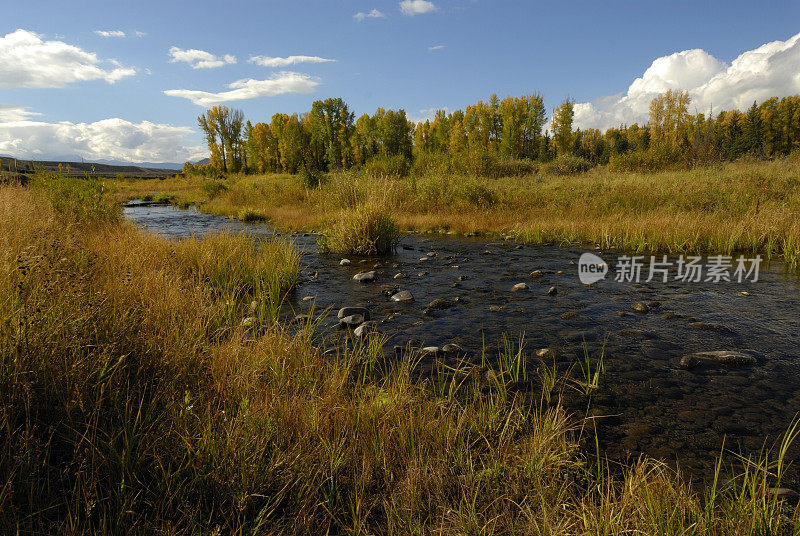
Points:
[[100, 168]]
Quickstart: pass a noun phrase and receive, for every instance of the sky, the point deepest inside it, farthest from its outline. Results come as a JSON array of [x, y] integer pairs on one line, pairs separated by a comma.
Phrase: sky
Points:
[[126, 80]]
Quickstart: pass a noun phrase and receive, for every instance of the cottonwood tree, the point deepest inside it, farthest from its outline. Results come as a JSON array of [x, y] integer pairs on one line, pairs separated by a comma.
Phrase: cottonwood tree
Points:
[[669, 119], [223, 131]]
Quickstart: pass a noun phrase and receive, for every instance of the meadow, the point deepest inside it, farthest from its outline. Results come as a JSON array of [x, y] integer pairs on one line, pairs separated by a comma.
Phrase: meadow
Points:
[[146, 386], [745, 206]]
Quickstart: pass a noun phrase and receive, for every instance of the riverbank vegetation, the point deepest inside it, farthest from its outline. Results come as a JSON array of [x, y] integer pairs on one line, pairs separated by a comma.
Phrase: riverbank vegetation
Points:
[[749, 205], [681, 183], [495, 138], [146, 387]]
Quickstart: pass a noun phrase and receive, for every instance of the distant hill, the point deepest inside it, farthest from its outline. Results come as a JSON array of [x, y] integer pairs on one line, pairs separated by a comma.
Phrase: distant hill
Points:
[[97, 169]]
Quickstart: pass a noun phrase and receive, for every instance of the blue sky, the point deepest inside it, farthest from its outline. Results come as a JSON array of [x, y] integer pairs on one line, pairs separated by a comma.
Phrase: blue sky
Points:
[[418, 56]]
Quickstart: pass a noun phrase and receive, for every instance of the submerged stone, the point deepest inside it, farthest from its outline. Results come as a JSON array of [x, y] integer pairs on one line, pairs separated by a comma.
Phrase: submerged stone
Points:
[[363, 277]]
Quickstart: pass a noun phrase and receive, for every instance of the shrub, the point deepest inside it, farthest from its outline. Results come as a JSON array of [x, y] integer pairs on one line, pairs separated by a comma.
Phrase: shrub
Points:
[[478, 194], [364, 230], [567, 165], [653, 159], [388, 166], [248, 215], [310, 178], [213, 188], [81, 199], [513, 167]]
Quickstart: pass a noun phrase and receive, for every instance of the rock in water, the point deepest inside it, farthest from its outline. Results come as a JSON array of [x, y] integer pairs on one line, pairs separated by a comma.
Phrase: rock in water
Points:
[[363, 277], [403, 296], [344, 262], [518, 287], [347, 311], [640, 307], [430, 350], [452, 348], [731, 358], [536, 274], [437, 305], [351, 321], [552, 292], [546, 353], [364, 328]]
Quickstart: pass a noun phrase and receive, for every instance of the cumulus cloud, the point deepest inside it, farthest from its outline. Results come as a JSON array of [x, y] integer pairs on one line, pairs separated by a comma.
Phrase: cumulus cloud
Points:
[[416, 7], [110, 33], [26, 61], [277, 84], [437, 47], [199, 59], [769, 70], [111, 139], [373, 14], [13, 112], [267, 61]]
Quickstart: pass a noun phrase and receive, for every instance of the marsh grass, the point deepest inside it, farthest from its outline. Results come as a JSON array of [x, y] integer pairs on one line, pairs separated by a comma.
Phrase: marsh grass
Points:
[[363, 230], [133, 402]]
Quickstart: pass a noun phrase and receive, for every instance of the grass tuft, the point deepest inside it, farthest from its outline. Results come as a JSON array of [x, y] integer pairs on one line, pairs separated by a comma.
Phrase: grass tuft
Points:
[[363, 230]]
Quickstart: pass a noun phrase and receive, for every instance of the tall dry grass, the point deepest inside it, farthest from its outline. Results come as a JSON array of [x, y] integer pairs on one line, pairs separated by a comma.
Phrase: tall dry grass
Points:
[[133, 401]]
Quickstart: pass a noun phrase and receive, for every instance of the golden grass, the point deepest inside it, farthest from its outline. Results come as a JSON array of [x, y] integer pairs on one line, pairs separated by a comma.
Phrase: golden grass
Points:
[[133, 401]]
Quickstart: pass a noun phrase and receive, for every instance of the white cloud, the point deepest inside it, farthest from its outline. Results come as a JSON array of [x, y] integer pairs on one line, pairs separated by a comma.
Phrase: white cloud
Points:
[[267, 61], [12, 112], [769, 70], [109, 139], [139, 33], [110, 33], [437, 47], [427, 114], [199, 59], [28, 62], [373, 14], [416, 7], [277, 84]]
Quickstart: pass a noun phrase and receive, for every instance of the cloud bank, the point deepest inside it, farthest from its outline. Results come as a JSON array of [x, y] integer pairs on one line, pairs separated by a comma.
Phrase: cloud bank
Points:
[[112, 139], [277, 84], [199, 59], [13, 112], [767, 71], [267, 61], [26, 61]]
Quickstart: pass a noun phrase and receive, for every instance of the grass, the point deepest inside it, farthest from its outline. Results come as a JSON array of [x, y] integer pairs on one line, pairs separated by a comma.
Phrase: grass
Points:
[[746, 206], [133, 401], [363, 230]]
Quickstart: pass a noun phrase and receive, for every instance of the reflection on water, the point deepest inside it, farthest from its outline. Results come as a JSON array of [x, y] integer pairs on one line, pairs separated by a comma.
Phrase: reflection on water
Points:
[[647, 402]]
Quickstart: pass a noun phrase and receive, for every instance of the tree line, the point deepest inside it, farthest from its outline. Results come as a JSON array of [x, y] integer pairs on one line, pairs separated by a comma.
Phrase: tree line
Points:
[[509, 133]]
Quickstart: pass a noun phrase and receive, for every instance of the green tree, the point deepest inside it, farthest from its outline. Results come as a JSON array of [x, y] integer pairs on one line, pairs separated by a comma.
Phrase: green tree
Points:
[[562, 127], [669, 119], [223, 131]]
